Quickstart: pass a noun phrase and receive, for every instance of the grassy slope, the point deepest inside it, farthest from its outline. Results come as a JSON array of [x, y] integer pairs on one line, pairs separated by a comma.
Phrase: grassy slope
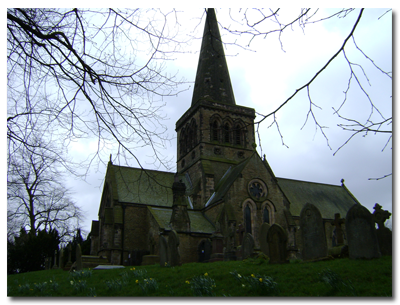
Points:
[[356, 277]]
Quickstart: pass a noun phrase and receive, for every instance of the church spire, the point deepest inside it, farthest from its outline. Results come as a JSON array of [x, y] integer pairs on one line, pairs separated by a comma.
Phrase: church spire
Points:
[[212, 78]]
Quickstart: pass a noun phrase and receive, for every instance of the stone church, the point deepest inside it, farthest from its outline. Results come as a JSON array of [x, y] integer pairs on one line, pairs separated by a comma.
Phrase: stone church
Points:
[[223, 195]]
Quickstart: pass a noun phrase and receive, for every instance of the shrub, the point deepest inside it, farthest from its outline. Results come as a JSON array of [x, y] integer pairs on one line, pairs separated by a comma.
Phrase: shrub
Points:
[[202, 285], [261, 284]]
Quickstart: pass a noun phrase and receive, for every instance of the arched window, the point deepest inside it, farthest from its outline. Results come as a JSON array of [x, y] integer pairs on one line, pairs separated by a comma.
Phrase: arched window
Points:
[[226, 133], [182, 142], [247, 219], [266, 215], [193, 134], [214, 131], [267, 209], [238, 135]]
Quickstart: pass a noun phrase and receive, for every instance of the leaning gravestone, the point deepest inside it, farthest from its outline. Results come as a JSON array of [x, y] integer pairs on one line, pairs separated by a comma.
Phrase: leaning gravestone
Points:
[[313, 233], [173, 249], [263, 238], [248, 245], [78, 265], [163, 251], [361, 233], [277, 243]]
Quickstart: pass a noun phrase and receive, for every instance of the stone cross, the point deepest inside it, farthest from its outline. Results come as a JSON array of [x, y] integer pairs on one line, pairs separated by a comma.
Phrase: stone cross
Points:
[[338, 226], [380, 216]]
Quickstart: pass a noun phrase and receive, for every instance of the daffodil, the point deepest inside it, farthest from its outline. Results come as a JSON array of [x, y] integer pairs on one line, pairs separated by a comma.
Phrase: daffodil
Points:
[[137, 281], [260, 279], [187, 282], [206, 274], [252, 275]]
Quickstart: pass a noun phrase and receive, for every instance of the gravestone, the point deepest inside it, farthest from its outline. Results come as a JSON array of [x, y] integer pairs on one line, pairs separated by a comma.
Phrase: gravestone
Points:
[[248, 246], [263, 238], [277, 243], [173, 249], [150, 259], [163, 251], [312, 233], [383, 234], [78, 261], [61, 259], [69, 262], [55, 260], [361, 233], [337, 238], [47, 263], [204, 250]]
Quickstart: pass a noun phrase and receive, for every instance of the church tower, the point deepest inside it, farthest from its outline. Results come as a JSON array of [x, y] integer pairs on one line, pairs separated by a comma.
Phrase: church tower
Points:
[[214, 133]]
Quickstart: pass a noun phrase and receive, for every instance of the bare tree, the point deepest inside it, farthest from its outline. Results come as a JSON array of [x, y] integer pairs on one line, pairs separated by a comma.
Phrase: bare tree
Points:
[[36, 195], [91, 73]]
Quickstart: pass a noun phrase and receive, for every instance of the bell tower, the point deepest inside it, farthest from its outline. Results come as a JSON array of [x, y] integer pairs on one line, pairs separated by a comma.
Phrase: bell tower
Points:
[[214, 133]]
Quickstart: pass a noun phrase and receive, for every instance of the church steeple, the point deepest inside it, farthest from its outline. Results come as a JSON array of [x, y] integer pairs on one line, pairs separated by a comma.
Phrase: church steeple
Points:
[[212, 78]]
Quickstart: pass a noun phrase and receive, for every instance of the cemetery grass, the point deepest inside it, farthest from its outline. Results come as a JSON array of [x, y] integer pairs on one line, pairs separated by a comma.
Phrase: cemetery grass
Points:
[[339, 277]]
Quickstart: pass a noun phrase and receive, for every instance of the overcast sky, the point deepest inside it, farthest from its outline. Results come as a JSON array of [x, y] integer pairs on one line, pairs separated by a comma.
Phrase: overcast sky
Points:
[[264, 79]]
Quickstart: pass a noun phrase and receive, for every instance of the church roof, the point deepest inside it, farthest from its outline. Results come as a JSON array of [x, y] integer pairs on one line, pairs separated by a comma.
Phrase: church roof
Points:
[[136, 185], [328, 198], [212, 77], [198, 223]]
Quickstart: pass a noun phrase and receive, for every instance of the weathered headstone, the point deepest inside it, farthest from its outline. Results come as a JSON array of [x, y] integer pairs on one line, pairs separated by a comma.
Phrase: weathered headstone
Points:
[[69, 262], [337, 238], [204, 250], [61, 259], [383, 234], [263, 238], [361, 233], [163, 251], [173, 249], [277, 242], [248, 246], [47, 263], [313, 233], [78, 265], [55, 260]]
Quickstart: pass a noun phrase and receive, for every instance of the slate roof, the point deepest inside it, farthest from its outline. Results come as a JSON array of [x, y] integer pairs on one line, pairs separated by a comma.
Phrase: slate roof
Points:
[[227, 180], [329, 199], [135, 185], [198, 223]]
